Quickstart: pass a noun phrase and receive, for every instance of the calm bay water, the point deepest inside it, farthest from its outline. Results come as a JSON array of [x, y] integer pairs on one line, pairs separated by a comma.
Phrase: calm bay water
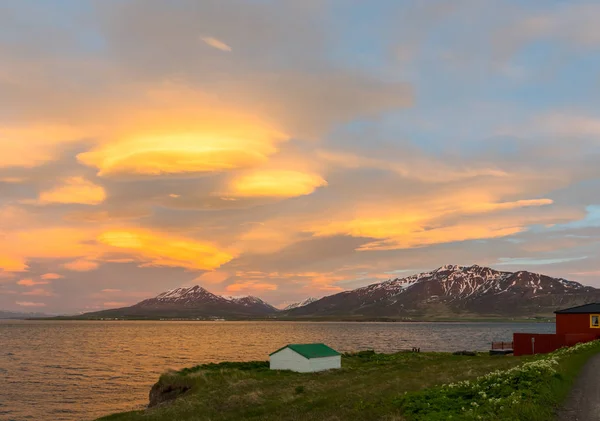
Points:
[[77, 370]]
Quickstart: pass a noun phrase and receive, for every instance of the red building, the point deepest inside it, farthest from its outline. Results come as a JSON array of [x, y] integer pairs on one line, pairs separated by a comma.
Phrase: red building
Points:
[[573, 325]]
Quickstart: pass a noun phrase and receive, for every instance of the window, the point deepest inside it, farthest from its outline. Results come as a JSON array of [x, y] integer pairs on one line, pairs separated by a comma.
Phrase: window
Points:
[[595, 320]]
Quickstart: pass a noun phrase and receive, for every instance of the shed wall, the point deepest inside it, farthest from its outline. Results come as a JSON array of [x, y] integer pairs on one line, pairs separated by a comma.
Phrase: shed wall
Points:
[[575, 338], [286, 359], [574, 323], [325, 363]]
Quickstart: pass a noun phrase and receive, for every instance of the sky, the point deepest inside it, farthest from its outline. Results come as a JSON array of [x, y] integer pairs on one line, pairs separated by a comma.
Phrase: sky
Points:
[[287, 148]]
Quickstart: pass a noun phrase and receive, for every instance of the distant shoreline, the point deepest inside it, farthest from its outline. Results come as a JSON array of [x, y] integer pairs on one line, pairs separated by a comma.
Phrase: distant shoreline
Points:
[[338, 320]]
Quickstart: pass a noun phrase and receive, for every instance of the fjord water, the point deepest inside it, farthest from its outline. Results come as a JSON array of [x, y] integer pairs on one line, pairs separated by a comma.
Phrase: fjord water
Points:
[[78, 370]]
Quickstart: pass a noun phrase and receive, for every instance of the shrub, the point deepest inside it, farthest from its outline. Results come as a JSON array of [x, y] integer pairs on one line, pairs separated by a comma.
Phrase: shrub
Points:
[[299, 389], [244, 366]]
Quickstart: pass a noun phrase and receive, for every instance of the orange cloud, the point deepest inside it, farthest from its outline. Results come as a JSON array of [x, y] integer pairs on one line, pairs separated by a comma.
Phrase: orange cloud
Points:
[[39, 292], [31, 282], [116, 304], [166, 250], [275, 183], [175, 132], [489, 207], [214, 277], [74, 190], [215, 43], [51, 276], [23, 241], [251, 286], [34, 144], [110, 290], [12, 180], [29, 304], [13, 264], [423, 224], [6, 275], [81, 265]]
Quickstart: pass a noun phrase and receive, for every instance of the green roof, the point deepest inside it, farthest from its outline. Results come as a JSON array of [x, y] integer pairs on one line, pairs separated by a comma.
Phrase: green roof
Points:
[[310, 350]]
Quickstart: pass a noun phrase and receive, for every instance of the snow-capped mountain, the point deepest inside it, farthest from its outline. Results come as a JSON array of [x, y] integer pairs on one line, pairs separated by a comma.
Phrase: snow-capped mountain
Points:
[[185, 296], [192, 302], [451, 290], [300, 303], [252, 301]]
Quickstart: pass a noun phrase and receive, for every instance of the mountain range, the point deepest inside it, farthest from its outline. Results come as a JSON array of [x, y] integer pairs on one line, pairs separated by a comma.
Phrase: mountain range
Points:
[[449, 291], [20, 315]]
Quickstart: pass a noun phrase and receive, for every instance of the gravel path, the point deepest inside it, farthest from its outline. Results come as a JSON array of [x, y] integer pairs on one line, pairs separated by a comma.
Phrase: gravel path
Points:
[[583, 403]]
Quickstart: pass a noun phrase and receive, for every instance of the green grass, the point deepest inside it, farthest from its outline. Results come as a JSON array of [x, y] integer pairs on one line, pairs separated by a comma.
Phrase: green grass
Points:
[[370, 386], [529, 392]]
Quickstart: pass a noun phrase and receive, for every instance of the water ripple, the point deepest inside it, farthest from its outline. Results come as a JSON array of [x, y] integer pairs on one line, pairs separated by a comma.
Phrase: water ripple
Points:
[[83, 370]]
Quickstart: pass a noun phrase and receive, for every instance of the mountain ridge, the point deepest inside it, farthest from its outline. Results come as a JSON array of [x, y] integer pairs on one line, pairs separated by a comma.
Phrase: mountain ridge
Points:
[[448, 291], [456, 290]]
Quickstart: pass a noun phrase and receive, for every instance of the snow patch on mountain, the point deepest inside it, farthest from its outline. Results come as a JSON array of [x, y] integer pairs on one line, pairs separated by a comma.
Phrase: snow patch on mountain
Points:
[[463, 282], [301, 303]]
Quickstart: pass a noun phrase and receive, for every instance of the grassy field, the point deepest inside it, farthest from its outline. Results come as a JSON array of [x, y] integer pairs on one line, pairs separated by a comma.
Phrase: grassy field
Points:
[[403, 386]]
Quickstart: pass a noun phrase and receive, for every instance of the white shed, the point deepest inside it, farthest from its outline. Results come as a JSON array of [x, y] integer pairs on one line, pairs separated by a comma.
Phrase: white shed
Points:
[[305, 358]]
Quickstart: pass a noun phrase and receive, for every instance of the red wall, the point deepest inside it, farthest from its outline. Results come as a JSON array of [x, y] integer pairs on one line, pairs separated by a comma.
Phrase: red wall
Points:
[[544, 343], [571, 329], [574, 323]]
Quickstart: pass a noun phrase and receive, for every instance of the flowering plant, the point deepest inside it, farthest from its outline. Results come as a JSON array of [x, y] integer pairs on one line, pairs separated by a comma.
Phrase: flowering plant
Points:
[[487, 396]]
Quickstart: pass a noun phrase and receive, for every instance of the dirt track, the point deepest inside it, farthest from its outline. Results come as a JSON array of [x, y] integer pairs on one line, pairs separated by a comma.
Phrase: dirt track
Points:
[[583, 403]]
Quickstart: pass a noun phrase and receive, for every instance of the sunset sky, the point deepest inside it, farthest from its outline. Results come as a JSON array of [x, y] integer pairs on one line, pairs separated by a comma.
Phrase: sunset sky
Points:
[[287, 148]]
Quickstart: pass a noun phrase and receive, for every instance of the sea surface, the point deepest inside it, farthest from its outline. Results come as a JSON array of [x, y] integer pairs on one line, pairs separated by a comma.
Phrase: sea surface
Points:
[[81, 370]]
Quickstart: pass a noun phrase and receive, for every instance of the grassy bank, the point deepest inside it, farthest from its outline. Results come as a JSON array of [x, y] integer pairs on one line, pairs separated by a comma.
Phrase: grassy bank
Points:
[[369, 387], [529, 392]]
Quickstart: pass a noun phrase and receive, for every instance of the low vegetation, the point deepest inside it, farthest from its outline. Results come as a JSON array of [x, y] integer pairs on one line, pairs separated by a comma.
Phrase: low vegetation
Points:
[[372, 386], [528, 392]]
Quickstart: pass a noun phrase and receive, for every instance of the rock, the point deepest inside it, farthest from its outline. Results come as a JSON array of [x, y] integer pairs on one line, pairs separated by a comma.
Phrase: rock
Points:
[[162, 393], [467, 353]]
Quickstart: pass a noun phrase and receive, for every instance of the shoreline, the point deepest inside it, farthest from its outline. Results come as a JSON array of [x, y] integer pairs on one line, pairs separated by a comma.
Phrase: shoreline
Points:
[[316, 320], [516, 386]]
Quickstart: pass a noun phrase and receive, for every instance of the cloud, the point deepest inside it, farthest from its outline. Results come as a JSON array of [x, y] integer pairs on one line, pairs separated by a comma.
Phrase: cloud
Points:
[[214, 277], [35, 143], [587, 273], [415, 166], [156, 249], [275, 184], [116, 304], [21, 245], [12, 180], [213, 42], [569, 25], [81, 265], [13, 264], [250, 286], [74, 190], [51, 276], [31, 282], [39, 292], [537, 261], [435, 220], [177, 131], [110, 290], [29, 304]]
